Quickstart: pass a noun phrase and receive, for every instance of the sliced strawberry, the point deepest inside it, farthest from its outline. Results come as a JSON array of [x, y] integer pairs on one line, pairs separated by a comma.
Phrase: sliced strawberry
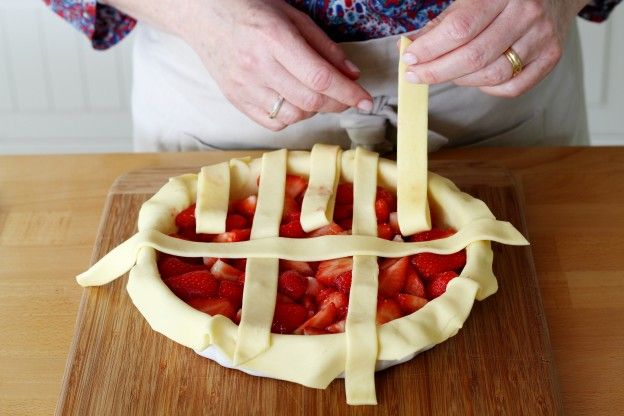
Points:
[[392, 279], [344, 193], [382, 210], [437, 286], [292, 284], [385, 231], [343, 282], [209, 261], [413, 284], [346, 224], [430, 264], [192, 284], [173, 265], [393, 220], [231, 291], [284, 299], [238, 316], [223, 271], [190, 235], [214, 306], [233, 236], [323, 294], [292, 230], [340, 301], [330, 229], [387, 310], [324, 317], [343, 212], [295, 185], [386, 262], [329, 270], [240, 264], [245, 206], [288, 317], [410, 303], [314, 286], [300, 266], [315, 331], [235, 222], [186, 218], [336, 327], [388, 197], [292, 210], [432, 234], [309, 303]]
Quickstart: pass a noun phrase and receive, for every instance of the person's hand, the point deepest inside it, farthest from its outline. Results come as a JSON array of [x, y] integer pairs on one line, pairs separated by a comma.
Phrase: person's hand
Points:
[[467, 42], [259, 50]]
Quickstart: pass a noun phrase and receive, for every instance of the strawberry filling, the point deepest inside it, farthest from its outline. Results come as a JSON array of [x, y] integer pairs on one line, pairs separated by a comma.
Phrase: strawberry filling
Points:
[[313, 297]]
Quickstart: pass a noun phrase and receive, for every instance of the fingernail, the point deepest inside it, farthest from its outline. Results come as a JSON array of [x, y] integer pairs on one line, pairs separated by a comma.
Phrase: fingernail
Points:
[[351, 66], [412, 77], [410, 58], [365, 105]]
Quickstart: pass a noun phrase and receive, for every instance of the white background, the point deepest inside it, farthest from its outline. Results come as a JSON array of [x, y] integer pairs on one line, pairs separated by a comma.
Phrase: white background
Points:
[[57, 95]]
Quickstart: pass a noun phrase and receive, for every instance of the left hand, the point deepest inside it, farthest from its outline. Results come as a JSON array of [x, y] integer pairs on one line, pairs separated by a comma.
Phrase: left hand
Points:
[[467, 42]]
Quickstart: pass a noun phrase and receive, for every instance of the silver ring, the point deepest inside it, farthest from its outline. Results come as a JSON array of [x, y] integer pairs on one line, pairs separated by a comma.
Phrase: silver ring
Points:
[[277, 105]]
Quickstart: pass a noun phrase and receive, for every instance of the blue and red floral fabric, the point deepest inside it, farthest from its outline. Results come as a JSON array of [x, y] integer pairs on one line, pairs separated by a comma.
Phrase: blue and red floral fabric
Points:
[[343, 20]]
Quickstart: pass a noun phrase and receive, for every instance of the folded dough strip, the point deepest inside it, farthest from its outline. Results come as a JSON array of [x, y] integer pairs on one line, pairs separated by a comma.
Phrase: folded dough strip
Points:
[[360, 327], [317, 207], [260, 290], [412, 204], [119, 260], [213, 196]]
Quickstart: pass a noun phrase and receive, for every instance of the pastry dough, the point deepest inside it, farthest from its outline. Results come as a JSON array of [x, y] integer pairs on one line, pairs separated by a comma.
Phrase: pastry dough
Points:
[[213, 197], [309, 360]]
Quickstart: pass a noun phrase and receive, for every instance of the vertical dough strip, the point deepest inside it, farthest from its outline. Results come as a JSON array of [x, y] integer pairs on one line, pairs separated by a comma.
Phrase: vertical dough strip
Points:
[[213, 196]]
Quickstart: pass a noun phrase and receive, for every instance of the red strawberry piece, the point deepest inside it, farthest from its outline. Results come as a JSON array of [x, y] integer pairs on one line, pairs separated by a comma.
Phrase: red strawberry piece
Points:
[[413, 284], [344, 193], [235, 222], [388, 197], [384, 263], [292, 284], [309, 303], [393, 220], [300, 266], [329, 270], [240, 264], [343, 212], [387, 310], [214, 306], [288, 317], [291, 211], [385, 231], [245, 206], [410, 303], [190, 235], [323, 294], [340, 301], [231, 291], [186, 218], [172, 265], [233, 236], [336, 327], [193, 284], [330, 229], [292, 230], [437, 286], [392, 279], [295, 186], [382, 210], [430, 264], [343, 282], [209, 261], [314, 331], [284, 299], [324, 317], [223, 271], [314, 287], [346, 224], [432, 234], [239, 314]]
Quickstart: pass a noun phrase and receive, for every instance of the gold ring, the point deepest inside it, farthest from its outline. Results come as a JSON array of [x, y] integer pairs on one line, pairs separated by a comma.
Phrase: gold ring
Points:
[[277, 105], [515, 61]]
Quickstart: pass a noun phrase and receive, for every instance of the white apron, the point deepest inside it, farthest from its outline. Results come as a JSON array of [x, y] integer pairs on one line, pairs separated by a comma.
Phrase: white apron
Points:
[[177, 106]]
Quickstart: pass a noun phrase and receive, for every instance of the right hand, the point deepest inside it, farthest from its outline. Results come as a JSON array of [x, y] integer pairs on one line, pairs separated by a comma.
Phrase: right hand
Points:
[[258, 50]]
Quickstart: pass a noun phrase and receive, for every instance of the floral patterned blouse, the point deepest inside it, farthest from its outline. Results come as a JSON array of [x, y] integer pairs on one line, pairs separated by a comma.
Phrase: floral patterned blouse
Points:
[[343, 20]]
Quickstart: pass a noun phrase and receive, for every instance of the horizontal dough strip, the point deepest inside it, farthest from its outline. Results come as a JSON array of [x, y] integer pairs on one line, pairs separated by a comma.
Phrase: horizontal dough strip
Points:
[[123, 257]]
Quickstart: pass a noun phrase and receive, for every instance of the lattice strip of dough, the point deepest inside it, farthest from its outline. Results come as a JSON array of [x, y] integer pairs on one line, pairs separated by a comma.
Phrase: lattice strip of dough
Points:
[[412, 204], [318, 202], [361, 328], [213, 197], [260, 290]]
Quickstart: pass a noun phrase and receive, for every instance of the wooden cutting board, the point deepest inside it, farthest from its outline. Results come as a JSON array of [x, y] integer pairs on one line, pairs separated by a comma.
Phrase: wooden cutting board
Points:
[[500, 362]]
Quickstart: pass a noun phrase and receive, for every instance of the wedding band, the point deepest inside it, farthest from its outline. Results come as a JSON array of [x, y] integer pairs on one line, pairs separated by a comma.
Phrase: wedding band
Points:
[[276, 107], [515, 61]]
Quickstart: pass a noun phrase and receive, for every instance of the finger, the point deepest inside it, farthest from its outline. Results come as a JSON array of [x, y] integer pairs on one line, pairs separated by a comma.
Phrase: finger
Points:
[[261, 117], [316, 73], [321, 43], [298, 94], [462, 22], [287, 113], [480, 52]]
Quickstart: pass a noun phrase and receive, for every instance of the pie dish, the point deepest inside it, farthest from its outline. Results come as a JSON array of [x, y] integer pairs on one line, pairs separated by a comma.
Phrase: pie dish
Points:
[[313, 361]]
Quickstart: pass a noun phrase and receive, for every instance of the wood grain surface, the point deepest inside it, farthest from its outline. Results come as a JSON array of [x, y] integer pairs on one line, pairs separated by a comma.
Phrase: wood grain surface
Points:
[[500, 363]]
